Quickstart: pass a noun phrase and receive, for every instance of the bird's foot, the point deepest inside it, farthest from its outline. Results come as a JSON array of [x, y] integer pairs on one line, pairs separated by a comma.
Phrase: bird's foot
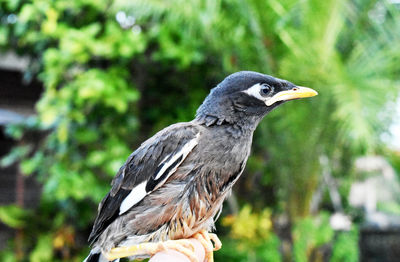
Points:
[[183, 246], [207, 240]]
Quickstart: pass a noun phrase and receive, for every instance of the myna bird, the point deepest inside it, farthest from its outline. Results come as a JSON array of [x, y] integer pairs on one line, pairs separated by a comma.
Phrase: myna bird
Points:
[[173, 186]]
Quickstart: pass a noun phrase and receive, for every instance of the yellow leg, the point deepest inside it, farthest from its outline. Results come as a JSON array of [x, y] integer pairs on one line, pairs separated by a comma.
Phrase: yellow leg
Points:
[[207, 239], [183, 246]]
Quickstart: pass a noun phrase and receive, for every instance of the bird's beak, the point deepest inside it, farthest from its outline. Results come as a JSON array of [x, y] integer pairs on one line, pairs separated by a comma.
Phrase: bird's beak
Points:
[[294, 93]]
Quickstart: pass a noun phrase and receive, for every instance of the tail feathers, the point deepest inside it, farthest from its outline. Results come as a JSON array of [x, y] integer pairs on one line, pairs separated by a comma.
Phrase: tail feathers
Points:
[[97, 257]]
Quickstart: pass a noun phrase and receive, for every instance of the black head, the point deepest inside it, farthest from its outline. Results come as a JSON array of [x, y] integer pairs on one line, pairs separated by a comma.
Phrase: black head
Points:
[[248, 96]]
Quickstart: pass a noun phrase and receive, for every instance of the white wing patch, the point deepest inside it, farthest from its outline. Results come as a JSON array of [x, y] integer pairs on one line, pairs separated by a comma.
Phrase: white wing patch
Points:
[[169, 165], [137, 194], [186, 149], [254, 90]]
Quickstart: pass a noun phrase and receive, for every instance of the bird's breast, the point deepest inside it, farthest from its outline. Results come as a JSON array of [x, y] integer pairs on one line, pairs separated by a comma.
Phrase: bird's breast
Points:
[[215, 172], [209, 172]]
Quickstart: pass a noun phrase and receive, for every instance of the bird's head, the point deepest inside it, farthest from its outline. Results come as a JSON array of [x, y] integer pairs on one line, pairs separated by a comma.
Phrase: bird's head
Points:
[[246, 97]]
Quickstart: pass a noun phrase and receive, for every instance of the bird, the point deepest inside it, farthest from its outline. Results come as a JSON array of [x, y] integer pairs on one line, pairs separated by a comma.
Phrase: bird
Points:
[[172, 187]]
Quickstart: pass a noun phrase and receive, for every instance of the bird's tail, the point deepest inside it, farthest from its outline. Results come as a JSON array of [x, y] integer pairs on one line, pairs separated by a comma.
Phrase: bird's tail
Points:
[[97, 257]]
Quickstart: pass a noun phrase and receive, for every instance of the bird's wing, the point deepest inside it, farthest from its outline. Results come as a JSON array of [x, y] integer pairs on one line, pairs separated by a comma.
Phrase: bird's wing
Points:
[[146, 169]]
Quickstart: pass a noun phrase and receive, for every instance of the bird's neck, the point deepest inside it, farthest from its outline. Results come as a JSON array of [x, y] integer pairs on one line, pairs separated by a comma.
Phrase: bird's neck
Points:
[[237, 127]]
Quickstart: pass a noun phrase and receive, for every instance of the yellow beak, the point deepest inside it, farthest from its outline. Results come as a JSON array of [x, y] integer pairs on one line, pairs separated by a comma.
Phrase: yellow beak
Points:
[[295, 93]]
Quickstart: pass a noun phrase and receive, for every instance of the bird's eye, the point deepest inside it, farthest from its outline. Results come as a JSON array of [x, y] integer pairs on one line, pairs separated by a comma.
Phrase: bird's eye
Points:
[[266, 89]]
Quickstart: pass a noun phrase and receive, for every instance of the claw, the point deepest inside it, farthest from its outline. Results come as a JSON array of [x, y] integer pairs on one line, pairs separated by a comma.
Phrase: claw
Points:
[[207, 239], [217, 242]]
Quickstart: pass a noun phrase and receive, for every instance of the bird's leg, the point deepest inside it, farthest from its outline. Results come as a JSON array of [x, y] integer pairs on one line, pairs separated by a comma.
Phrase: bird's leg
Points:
[[183, 246], [207, 239]]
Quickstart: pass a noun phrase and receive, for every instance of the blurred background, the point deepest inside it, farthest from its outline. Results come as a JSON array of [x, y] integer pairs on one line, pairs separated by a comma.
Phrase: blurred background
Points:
[[84, 82]]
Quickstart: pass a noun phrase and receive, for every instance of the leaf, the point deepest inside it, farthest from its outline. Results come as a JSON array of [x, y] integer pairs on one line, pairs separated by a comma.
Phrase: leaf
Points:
[[7, 256], [15, 155], [15, 131], [50, 25], [13, 216], [28, 166], [3, 36], [43, 251], [62, 131]]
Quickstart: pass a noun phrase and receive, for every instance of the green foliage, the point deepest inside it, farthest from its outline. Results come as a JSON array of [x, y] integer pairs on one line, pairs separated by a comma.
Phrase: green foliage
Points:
[[248, 226], [7, 256], [389, 207], [394, 160], [14, 155], [337, 57], [13, 216], [252, 238], [345, 247], [236, 250], [112, 72], [310, 233], [42, 252]]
